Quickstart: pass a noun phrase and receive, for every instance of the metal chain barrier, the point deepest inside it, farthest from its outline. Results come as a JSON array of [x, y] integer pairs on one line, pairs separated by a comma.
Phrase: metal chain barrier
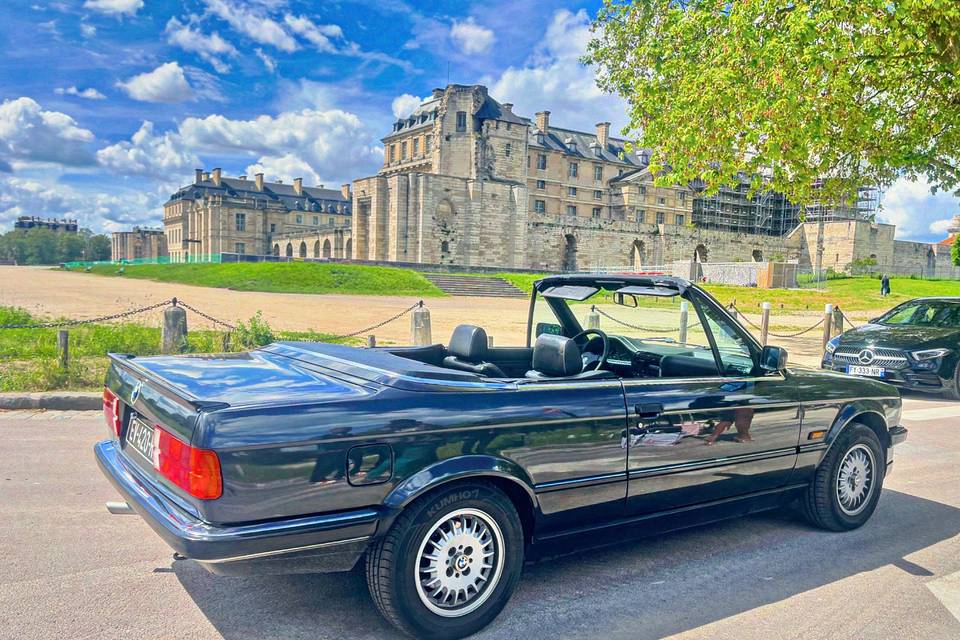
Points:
[[740, 314], [628, 325], [202, 314], [846, 318], [74, 323], [419, 303]]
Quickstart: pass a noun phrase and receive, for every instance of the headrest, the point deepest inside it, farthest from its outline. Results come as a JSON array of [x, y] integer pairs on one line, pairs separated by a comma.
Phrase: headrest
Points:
[[556, 356], [468, 342]]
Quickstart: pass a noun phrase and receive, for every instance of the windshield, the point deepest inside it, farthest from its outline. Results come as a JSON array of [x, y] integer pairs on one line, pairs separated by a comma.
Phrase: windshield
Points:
[[929, 313]]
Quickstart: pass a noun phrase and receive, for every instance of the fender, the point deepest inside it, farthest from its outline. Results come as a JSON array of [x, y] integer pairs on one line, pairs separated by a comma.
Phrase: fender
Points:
[[459, 468], [848, 414]]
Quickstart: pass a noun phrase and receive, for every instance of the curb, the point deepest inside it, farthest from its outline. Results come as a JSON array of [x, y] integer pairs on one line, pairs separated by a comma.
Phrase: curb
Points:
[[56, 400]]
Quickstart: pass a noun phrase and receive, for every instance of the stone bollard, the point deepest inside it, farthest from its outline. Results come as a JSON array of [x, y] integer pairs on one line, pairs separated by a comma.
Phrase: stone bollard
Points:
[[420, 327], [63, 348], [173, 334], [371, 341], [765, 323], [684, 316], [827, 321], [837, 321], [593, 319]]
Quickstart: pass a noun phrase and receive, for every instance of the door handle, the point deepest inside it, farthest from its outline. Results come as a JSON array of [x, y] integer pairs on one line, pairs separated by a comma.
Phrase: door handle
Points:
[[649, 410]]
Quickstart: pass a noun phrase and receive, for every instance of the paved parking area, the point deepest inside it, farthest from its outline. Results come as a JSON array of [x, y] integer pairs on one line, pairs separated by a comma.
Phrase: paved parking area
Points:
[[70, 570]]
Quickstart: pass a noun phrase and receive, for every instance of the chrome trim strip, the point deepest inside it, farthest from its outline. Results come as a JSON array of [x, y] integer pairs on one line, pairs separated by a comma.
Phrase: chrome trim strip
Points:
[[588, 481], [700, 465], [628, 382], [278, 552]]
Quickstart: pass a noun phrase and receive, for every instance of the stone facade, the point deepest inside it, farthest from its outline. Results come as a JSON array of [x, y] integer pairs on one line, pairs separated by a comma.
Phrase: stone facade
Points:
[[138, 244], [217, 214]]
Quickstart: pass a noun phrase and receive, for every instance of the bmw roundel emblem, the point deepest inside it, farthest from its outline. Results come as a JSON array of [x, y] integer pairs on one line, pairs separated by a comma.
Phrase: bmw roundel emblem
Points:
[[136, 392], [866, 356]]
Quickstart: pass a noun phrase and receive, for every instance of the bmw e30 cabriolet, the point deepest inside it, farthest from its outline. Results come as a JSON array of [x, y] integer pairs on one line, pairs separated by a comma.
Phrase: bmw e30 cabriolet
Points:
[[440, 469]]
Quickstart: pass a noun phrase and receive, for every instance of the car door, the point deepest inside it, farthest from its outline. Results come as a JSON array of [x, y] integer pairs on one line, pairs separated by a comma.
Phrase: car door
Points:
[[698, 435]]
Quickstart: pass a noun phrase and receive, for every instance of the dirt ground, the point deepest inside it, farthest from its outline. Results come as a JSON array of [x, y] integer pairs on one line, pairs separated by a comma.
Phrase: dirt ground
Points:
[[49, 292]]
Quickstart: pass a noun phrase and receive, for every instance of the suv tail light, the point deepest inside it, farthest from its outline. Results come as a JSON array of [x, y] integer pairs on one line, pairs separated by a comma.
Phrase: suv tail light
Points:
[[196, 471], [111, 411]]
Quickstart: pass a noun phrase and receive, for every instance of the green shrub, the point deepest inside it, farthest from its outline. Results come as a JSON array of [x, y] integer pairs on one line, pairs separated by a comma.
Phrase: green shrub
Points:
[[256, 332]]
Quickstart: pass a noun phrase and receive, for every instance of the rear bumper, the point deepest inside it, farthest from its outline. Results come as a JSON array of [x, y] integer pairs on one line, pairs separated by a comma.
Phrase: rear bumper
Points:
[[332, 542]]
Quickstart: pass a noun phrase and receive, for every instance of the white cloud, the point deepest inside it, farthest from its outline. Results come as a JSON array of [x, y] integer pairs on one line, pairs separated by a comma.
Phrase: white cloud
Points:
[[211, 48], [917, 213], [404, 105], [320, 36], [114, 7], [166, 84], [163, 156], [95, 210], [87, 30], [257, 26], [942, 227], [269, 63], [471, 37], [554, 79], [30, 135], [89, 93]]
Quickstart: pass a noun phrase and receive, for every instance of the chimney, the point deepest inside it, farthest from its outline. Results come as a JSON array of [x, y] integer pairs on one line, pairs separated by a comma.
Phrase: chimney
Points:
[[507, 106], [216, 177], [438, 92], [603, 133], [243, 177], [298, 186], [198, 176], [206, 176], [345, 191], [258, 177], [543, 121]]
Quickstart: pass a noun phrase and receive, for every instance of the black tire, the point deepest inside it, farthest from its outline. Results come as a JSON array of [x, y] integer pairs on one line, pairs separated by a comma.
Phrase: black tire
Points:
[[394, 565], [954, 393], [822, 504]]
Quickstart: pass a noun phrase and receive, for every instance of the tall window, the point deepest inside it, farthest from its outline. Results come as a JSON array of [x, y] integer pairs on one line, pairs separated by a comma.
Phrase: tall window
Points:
[[572, 170], [316, 219], [678, 219], [597, 194], [572, 210], [393, 153], [540, 206], [299, 219], [461, 120], [541, 184], [416, 147], [506, 150], [598, 172], [643, 189], [641, 215], [595, 213], [682, 195], [241, 221], [661, 200], [273, 227], [660, 217], [240, 248], [572, 191], [542, 161], [403, 150], [428, 141]]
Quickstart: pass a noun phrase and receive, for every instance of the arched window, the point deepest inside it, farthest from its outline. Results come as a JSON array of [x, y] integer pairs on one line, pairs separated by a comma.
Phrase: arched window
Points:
[[757, 255], [327, 249], [700, 253], [568, 260], [638, 254], [276, 249], [289, 251], [303, 249], [316, 249], [348, 248]]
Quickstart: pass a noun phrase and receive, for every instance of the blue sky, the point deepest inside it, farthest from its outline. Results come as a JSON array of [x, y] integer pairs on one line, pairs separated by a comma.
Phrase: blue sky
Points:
[[107, 106]]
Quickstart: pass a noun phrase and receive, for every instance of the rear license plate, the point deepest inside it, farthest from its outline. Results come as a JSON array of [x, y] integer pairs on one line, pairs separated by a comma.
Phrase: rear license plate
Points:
[[140, 437], [857, 370]]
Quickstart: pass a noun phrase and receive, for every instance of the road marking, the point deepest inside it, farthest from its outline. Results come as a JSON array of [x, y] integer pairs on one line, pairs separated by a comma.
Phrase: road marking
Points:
[[948, 411], [947, 591]]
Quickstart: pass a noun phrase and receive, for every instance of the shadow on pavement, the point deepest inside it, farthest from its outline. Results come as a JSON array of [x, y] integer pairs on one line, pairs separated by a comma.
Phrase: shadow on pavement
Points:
[[643, 589]]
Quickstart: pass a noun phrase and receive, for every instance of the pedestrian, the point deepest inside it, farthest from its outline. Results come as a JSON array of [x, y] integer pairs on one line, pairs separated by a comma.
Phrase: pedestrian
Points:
[[884, 285]]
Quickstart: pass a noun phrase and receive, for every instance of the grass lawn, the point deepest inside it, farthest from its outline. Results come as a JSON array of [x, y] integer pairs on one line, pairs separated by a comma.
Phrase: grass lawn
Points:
[[285, 277], [28, 357]]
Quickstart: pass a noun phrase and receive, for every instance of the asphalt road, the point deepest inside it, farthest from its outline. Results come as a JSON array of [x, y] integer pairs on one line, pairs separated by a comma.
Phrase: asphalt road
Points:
[[70, 570]]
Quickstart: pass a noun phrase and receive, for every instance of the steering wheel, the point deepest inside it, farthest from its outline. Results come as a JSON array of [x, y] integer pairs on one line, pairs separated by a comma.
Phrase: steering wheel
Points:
[[589, 364]]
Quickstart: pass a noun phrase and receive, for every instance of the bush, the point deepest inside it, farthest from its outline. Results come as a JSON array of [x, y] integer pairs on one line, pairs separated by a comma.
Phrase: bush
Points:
[[254, 333]]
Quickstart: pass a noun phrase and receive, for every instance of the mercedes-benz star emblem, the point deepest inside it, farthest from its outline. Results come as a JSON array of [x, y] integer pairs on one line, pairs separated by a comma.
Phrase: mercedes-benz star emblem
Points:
[[136, 392], [866, 356]]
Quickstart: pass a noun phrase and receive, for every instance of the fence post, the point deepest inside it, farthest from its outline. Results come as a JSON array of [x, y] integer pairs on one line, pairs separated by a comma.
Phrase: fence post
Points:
[[173, 334], [827, 318], [593, 319], [63, 348], [837, 320], [684, 314], [420, 327], [371, 341], [765, 323]]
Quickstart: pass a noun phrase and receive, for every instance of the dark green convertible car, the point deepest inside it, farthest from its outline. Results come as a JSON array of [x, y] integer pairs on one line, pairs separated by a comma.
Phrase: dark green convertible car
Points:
[[915, 345], [440, 469]]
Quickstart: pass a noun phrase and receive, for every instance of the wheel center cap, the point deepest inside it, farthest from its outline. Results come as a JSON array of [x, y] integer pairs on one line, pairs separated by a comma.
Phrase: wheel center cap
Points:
[[461, 562]]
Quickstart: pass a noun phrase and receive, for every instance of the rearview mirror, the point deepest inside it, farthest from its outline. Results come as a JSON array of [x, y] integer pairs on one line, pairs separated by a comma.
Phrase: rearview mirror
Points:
[[773, 359], [547, 327], [625, 299]]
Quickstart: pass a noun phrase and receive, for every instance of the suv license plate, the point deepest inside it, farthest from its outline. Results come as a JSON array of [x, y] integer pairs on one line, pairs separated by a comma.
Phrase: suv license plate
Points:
[[140, 437], [857, 370]]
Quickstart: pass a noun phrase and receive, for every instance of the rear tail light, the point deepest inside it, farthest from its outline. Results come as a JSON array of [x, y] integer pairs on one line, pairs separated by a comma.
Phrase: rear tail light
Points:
[[196, 471], [111, 411]]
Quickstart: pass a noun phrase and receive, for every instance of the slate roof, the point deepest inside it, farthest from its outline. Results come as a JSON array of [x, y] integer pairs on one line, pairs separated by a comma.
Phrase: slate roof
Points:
[[585, 145], [313, 198]]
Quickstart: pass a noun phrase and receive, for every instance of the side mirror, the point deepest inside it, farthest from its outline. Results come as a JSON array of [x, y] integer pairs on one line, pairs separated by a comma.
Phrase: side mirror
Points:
[[625, 299], [548, 327], [773, 359]]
